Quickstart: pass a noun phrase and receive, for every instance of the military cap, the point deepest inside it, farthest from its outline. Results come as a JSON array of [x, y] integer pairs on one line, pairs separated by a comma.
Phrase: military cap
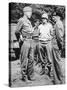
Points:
[[27, 9]]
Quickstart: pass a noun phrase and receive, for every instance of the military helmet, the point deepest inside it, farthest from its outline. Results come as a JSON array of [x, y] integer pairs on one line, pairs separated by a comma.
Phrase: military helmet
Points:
[[45, 15]]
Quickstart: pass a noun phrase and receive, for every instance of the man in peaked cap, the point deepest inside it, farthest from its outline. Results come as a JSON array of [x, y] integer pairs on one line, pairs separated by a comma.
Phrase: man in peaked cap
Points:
[[26, 55], [59, 31]]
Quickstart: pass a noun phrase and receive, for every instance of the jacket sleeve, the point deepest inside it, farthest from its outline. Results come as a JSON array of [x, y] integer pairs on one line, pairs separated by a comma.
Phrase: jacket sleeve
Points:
[[18, 29], [19, 25]]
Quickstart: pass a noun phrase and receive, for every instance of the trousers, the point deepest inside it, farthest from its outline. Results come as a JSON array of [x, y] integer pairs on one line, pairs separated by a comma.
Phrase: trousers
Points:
[[54, 57], [26, 58]]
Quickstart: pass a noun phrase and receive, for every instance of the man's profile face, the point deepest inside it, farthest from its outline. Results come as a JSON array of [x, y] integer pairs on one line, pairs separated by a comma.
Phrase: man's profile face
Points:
[[54, 18], [28, 14]]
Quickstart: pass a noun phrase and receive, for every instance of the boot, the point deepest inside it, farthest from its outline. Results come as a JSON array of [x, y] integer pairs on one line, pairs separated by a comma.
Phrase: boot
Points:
[[31, 78]]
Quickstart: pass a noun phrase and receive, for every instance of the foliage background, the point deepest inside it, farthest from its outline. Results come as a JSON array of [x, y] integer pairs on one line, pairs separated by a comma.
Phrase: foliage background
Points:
[[16, 11]]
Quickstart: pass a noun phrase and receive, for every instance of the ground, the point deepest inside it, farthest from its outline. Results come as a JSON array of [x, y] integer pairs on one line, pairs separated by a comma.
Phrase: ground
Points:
[[16, 77]]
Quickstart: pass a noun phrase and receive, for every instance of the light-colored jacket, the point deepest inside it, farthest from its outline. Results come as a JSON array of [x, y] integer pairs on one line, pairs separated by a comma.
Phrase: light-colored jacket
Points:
[[46, 31], [25, 26]]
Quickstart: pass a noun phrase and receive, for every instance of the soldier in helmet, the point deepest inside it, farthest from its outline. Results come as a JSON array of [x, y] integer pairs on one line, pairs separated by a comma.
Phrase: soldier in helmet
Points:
[[26, 55], [45, 29], [47, 39]]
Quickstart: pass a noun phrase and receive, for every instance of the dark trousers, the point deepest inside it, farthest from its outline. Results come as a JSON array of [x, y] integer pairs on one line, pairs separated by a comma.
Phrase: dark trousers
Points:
[[54, 58]]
